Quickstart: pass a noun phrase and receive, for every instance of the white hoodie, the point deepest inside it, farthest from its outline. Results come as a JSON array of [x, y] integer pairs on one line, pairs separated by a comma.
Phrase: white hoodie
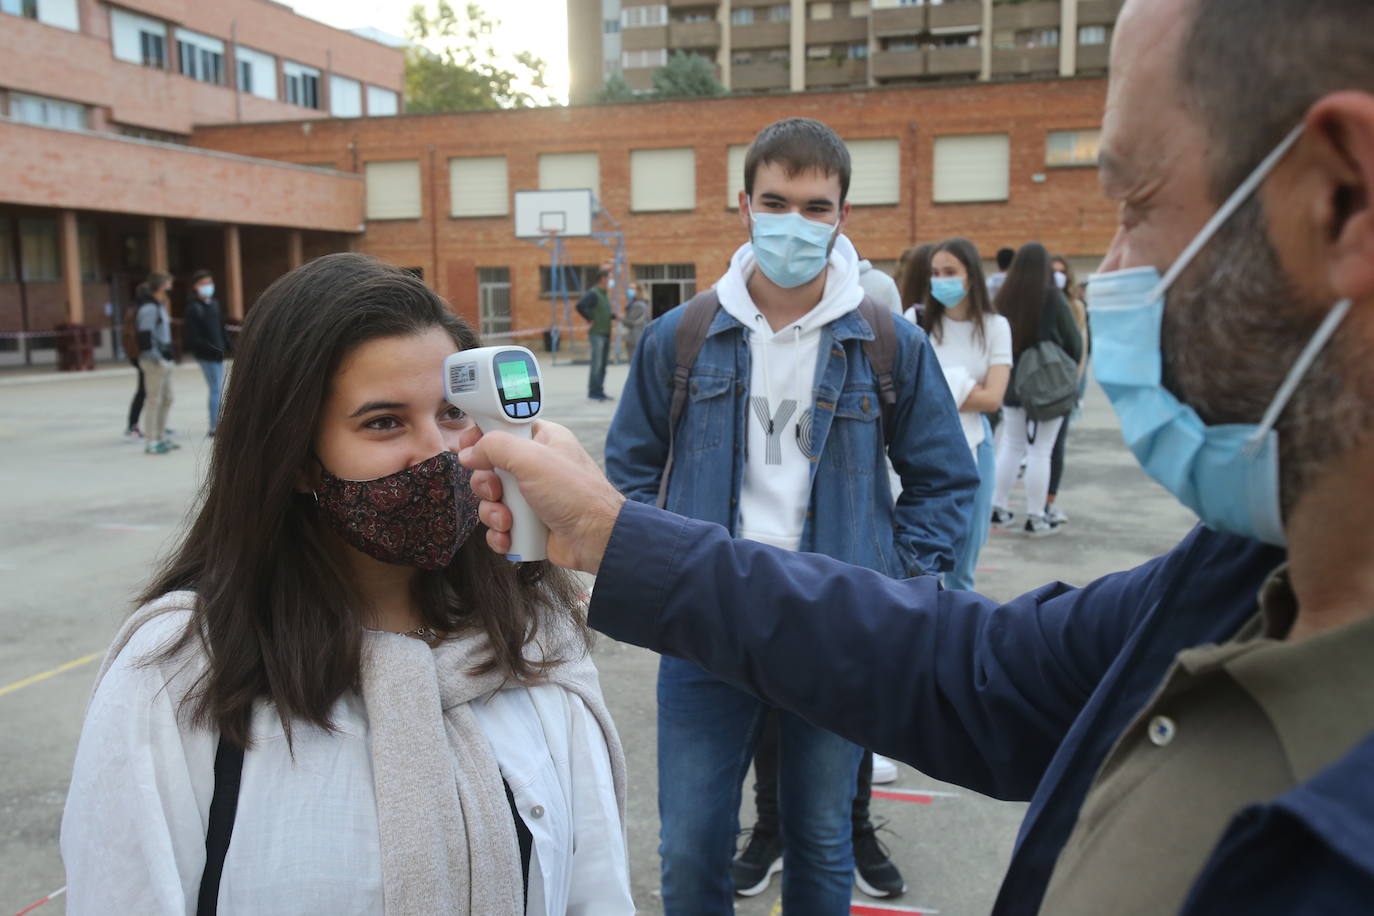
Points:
[[777, 472]]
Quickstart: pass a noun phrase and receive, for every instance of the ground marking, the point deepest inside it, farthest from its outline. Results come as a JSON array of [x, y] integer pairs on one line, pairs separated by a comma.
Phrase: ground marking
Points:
[[863, 908], [48, 899], [920, 797], [34, 679]]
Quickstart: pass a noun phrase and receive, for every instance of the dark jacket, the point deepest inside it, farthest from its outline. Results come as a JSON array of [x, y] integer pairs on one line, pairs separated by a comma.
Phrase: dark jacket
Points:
[[203, 333], [595, 306], [1018, 701]]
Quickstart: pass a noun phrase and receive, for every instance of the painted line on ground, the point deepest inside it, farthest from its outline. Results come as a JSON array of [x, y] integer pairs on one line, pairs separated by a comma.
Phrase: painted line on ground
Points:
[[34, 679], [48, 899], [863, 908], [920, 796]]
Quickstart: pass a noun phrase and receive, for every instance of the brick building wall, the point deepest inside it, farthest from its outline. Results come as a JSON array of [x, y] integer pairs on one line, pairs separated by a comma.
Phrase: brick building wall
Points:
[[1060, 207]]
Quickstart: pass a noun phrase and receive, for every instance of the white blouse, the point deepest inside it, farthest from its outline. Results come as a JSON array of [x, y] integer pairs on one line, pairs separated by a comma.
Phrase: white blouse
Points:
[[305, 836]]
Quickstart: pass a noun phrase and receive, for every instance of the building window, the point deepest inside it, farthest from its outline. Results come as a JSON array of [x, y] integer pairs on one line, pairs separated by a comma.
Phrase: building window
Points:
[[781, 13], [35, 109], [393, 189], [858, 51], [154, 54], [570, 172], [666, 286], [147, 133], [821, 11], [61, 13], [901, 44], [972, 168], [695, 16], [1072, 147], [633, 17], [200, 57], [1092, 34], [742, 58], [875, 169], [39, 258], [493, 300], [257, 72], [138, 39], [779, 55], [577, 278], [734, 174], [631, 60], [859, 8], [381, 102], [610, 26], [663, 179], [477, 186], [1044, 38], [817, 52], [345, 97], [302, 85], [744, 16]]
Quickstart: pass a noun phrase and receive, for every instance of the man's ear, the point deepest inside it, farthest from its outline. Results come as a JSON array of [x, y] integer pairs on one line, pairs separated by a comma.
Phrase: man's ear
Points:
[[1341, 134], [744, 217], [845, 208]]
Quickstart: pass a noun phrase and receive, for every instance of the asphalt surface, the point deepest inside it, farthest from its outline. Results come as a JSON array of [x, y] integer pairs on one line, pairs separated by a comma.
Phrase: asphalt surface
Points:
[[87, 515]]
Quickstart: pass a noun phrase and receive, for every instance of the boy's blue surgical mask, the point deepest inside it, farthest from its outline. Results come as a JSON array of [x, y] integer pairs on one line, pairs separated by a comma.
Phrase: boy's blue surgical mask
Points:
[[790, 249], [1228, 474]]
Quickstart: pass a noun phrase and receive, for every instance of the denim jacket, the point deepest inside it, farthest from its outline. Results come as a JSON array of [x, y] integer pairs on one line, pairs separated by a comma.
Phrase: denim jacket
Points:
[[851, 515]]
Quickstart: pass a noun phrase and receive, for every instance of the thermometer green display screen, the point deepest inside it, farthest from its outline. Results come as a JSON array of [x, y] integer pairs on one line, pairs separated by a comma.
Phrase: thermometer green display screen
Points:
[[515, 380]]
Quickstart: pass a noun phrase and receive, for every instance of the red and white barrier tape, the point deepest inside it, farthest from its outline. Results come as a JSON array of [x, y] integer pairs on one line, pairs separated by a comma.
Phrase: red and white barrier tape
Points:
[[48, 899]]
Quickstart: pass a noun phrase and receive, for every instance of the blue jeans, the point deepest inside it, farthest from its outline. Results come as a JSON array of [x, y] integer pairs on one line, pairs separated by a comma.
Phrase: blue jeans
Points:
[[971, 544], [596, 378], [707, 730], [214, 377]]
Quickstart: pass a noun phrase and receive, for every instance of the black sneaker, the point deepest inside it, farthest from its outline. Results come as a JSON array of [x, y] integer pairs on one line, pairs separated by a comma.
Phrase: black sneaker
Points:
[[1001, 518], [755, 867], [874, 872], [1037, 526]]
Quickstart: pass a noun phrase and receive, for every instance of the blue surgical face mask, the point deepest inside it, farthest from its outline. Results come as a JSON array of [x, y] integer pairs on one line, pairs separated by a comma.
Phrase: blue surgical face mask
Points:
[[790, 249], [1228, 474], [206, 290], [948, 291]]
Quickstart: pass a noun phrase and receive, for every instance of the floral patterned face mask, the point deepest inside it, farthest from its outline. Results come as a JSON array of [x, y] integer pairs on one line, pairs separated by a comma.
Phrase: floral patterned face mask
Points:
[[416, 517]]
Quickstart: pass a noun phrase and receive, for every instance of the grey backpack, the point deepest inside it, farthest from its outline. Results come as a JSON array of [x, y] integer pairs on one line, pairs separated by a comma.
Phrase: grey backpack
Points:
[[1045, 380]]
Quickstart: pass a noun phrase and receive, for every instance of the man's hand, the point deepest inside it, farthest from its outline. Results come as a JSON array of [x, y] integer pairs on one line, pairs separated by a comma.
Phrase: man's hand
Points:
[[561, 483]]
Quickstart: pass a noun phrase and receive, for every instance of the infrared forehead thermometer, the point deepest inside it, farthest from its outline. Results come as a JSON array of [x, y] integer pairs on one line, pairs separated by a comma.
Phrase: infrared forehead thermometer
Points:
[[499, 388]]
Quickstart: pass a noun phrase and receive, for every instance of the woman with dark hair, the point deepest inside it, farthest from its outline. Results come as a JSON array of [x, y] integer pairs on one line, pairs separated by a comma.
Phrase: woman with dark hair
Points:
[[334, 670], [1066, 284], [1037, 311], [915, 283], [973, 344], [153, 333]]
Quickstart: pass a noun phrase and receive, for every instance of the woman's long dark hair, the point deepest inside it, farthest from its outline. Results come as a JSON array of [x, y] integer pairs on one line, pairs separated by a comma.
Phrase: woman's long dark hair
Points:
[[275, 611], [1028, 287], [915, 281], [932, 317]]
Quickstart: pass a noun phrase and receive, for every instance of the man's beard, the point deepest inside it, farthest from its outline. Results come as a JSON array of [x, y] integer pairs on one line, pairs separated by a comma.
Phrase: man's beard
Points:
[[1233, 328]]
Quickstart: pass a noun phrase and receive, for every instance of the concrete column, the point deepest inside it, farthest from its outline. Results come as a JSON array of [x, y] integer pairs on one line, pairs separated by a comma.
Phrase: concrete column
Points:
[[69, 238], [986, 45], [726, 53], [233, 273], [1068, 37], [797, 45], [158, 262], [295, 256]]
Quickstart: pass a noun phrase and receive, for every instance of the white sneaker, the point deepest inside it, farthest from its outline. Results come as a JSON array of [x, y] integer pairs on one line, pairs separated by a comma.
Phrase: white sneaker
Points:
[[884, 770], [1053, 515]]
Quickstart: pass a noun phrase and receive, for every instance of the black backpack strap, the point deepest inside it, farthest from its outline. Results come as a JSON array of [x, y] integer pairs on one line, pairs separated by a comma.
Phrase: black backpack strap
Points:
[[697, 316], [223, 806], [881, 353]]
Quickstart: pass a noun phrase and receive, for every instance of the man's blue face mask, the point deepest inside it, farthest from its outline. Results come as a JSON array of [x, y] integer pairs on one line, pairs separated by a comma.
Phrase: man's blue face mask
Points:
[[1228, 474], [790, 249]]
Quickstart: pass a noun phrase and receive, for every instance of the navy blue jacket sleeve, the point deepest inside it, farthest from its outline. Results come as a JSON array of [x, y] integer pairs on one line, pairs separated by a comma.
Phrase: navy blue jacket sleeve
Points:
[[964, 689]]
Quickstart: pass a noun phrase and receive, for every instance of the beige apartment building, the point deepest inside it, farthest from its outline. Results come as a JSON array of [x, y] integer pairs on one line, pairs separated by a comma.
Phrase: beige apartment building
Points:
[[796, 45]]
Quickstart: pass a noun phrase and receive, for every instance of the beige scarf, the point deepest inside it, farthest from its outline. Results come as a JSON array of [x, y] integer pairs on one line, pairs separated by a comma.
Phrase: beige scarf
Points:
[[443, 851]]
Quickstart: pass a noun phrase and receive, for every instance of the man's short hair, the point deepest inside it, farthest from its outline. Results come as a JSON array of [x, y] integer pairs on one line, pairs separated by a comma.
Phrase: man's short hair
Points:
[[201, 275], [601, 275], [798, 145], [1254, 67], [1004, 258]]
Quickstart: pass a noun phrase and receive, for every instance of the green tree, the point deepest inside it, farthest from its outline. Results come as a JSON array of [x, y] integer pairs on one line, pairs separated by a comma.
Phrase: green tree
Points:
[[452, 64], [615, 89], [685, 76]]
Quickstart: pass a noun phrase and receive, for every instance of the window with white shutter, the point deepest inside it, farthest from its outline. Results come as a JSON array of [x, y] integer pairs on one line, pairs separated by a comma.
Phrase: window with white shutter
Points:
[[381, 102], [393, 189], [875, 175], [477, 186], [972, 168], [570, 172], [663, 179], [734, 174], [345, 97]]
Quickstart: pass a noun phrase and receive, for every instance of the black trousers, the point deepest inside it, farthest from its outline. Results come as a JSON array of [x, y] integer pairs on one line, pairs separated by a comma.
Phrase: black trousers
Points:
[[766, 782], [136, 408], [1057, 458]]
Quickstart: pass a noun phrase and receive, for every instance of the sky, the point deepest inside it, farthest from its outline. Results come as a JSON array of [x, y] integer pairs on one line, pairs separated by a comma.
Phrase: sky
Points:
[[539, 26]]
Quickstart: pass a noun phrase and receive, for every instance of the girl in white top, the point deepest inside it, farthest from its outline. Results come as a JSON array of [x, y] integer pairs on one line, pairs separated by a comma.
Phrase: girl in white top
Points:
[[413, 723], [973, 344]]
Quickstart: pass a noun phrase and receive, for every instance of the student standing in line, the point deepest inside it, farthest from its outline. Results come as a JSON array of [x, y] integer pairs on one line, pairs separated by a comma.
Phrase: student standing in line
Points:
[[129, 340], [412, 724], [1037, 311], [204, 335], [783, 438], [595, 307], [974, 346], [634, 320], [916, 280], [1004, 258], [1068, 285], [155, 353]]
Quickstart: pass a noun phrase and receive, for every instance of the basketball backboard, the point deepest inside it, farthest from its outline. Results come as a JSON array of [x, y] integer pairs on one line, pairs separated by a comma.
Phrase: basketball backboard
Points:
[[569, 213]]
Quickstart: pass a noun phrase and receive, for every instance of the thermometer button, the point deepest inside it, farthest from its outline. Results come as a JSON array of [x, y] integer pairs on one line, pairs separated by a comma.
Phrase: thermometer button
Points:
[[522, 410], [534, 407], [510, 411]]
